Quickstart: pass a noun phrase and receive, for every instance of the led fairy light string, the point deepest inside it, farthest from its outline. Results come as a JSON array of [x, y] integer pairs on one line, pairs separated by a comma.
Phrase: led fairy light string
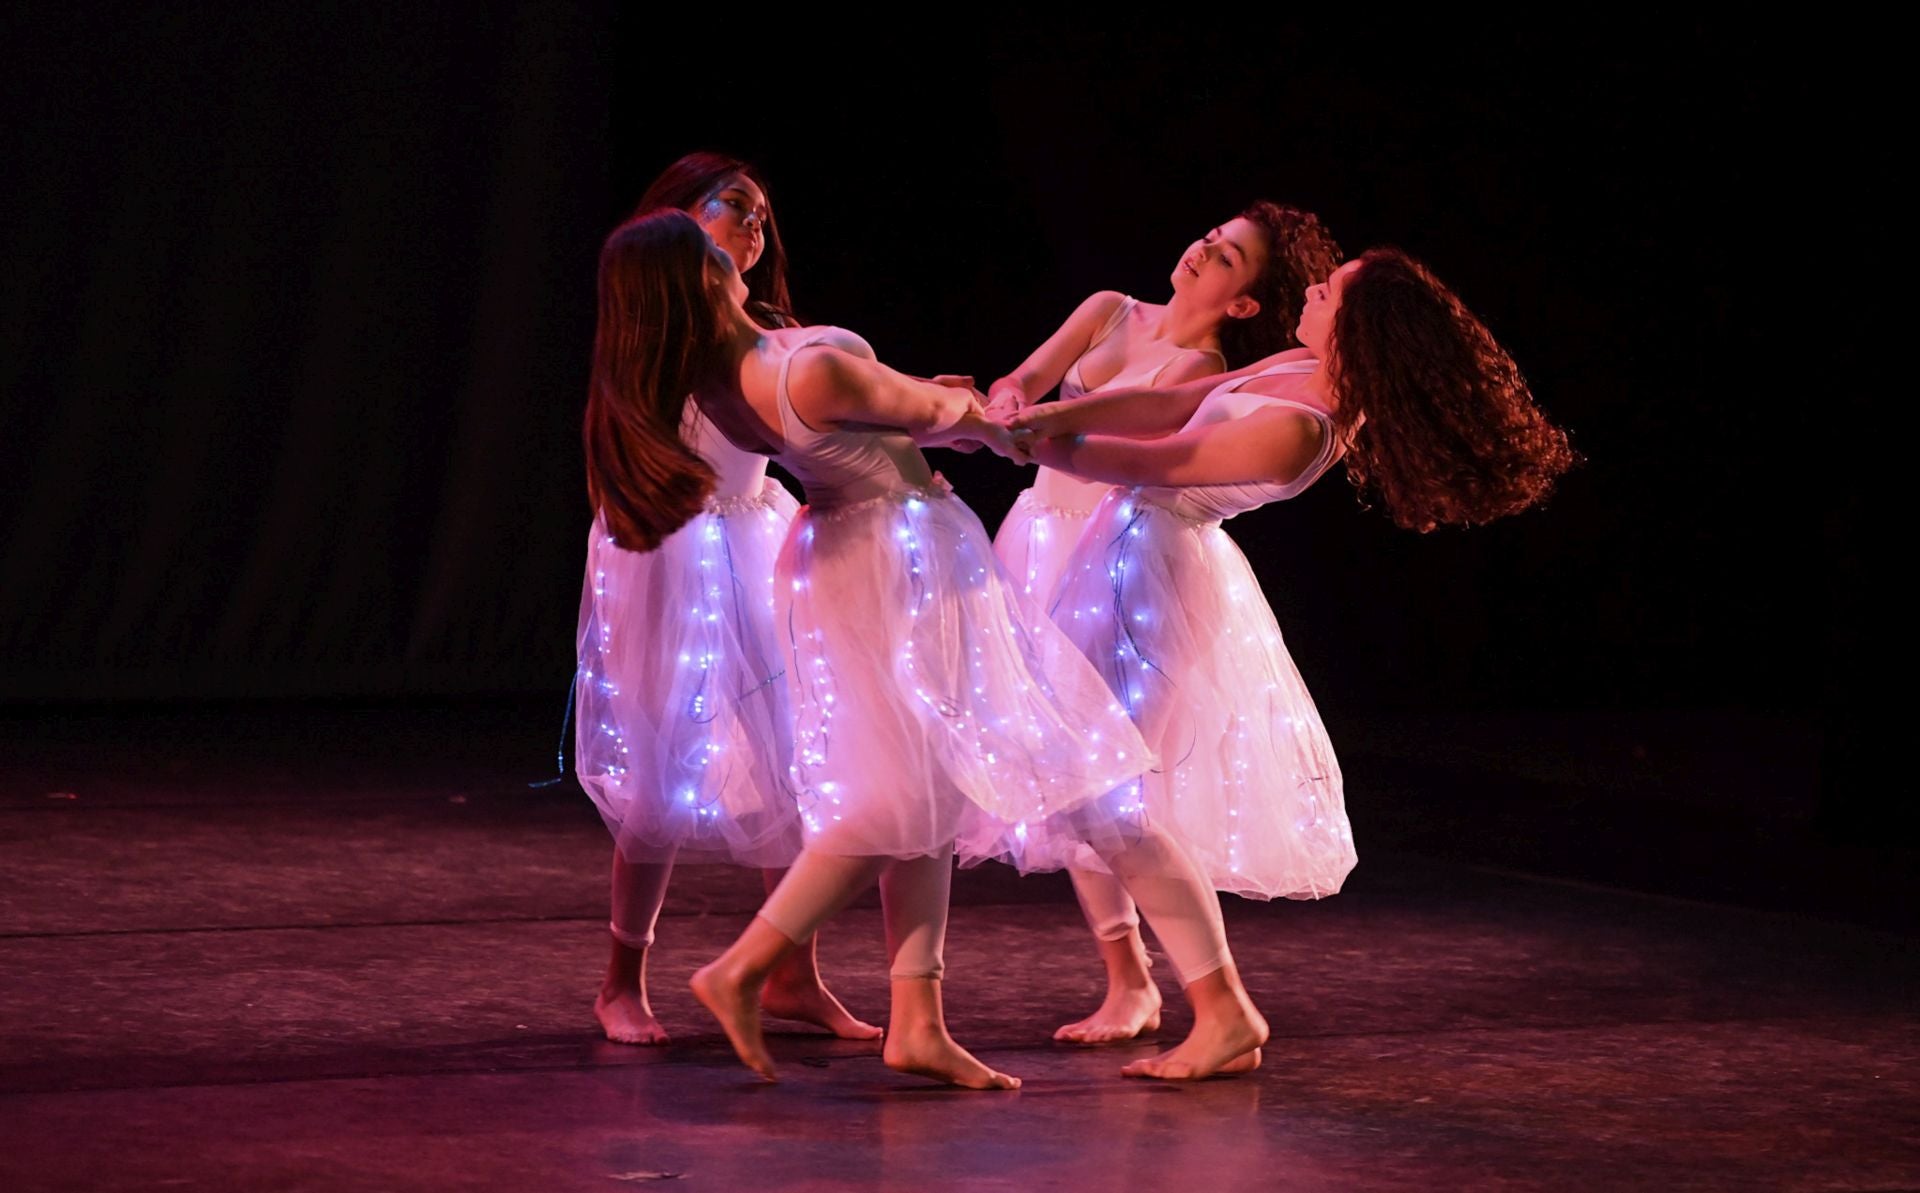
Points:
[[720, 583], [1305, 747], [700, 707], [814, 724], [1036, 543], [1214, 543], [920, 595], [1122, 553], [604, 682], [1131, 793], [1040, 529]]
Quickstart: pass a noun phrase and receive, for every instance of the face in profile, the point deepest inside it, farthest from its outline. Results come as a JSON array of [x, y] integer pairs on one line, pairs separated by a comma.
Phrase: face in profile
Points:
[[1322, 302], [734, 216], [1216, 270]]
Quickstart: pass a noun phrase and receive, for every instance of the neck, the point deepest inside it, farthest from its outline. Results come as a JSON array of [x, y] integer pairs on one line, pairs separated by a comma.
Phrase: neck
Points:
[[1188, 328], [741, 334], [1319, 384]]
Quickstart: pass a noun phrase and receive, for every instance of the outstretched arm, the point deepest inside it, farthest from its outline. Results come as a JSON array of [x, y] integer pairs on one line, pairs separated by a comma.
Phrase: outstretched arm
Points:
[[1136, 413], [1273, 446], [1043, 369], [830, 387]]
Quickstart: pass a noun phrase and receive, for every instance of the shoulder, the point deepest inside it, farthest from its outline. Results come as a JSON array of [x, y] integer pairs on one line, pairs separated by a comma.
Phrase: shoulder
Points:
[[827, 366], [1191, 364], [838, 338], [1100, 306], [1268, 380], [1286, 437]]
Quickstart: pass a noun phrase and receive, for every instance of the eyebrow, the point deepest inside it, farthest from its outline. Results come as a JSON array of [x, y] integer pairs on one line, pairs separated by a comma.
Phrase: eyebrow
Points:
[[742, 192]]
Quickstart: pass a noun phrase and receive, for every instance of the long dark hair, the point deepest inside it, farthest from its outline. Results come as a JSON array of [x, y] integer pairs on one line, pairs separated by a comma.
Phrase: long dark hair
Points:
[[687, 183], [1300, 253], [1440, 423], [658, 335]]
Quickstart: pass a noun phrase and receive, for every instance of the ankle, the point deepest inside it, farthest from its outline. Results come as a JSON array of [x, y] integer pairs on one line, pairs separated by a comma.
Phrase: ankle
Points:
[[794, 974], [614, 985], [1130, 977], [624, 976]]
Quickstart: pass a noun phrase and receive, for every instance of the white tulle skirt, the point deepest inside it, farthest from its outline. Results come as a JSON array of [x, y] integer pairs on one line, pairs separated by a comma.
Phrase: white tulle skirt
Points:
[[1171, 614], [926, 690], [684, 731], [1035, 541]]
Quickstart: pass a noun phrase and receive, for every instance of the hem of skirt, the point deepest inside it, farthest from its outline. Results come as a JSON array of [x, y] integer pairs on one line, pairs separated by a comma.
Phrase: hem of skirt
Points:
[[825, 844], [696, 853]]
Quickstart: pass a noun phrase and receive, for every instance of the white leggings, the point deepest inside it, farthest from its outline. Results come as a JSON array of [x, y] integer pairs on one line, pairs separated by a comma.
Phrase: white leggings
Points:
[[913, 903], [1180, 904]]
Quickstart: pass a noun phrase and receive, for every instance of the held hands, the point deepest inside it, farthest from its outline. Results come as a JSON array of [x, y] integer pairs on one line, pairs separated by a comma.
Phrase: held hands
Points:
[[1005, 400], [994, 422], [962, 381]]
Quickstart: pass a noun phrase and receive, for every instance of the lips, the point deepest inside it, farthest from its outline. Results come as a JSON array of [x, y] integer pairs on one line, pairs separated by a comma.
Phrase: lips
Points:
[[1188, 266]]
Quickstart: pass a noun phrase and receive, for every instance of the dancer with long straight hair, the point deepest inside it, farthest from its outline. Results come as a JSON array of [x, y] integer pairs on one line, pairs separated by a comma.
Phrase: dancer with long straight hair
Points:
[[681, 701], [922, 684]]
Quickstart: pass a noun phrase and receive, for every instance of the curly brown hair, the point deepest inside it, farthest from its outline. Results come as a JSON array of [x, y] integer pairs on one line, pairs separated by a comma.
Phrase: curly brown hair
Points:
[[1439, 422], [1300, 253]]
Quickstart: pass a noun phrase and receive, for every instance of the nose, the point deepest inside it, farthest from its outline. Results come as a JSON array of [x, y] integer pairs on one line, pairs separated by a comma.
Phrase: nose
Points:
[[753, 221]]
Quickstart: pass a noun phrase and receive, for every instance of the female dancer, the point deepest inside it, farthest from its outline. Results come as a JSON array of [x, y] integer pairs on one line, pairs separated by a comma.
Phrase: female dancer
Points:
[[920, 684], [682, 711], [1236, 299], [1431, 414]]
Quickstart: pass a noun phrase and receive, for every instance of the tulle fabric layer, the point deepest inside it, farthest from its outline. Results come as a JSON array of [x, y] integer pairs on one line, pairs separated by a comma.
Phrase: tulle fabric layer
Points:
[[1171, 614], [927, 691], [684, 731]]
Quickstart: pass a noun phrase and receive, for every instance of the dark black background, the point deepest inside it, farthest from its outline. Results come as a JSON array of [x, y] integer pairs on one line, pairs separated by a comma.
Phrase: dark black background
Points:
[[297, 306]]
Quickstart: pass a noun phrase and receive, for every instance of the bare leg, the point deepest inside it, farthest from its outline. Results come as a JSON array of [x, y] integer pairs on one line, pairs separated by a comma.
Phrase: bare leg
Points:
[[1184, 912], [795, 989], [817, 886], [918, 1043], [1226, 1037], [1132, 1005], [639, 889], [913, 896]]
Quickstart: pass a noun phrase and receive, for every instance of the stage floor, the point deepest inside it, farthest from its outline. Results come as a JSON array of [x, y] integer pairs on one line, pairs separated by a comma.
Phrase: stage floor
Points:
[[348, 950]]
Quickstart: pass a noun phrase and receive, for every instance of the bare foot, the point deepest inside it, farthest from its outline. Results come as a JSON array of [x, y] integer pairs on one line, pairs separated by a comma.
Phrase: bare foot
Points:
[[738, 1010], [1222, 1046], [931, 1052], [813, 1003], [1126, 1013], [627, 1019]]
